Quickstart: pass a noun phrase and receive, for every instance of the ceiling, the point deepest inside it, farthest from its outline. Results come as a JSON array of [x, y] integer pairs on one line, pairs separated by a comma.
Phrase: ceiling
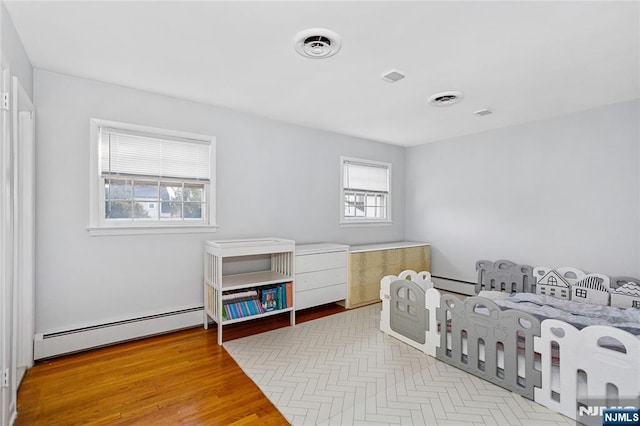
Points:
[[525, 61]]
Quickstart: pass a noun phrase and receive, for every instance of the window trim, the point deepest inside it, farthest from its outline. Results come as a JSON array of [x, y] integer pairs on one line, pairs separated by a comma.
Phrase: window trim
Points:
[[344, 221], [99, 226]]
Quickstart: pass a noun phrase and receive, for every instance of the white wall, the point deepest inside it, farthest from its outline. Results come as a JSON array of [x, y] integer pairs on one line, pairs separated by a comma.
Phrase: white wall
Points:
[[273, 180], [14, 53], [559, 192]]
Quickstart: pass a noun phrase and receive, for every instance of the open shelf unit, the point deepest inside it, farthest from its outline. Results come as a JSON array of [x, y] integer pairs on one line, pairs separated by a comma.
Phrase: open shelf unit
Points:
[[216, 283]]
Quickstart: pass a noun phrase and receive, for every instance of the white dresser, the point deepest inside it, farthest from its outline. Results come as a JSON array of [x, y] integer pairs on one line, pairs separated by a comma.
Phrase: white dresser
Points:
[[320, 274]]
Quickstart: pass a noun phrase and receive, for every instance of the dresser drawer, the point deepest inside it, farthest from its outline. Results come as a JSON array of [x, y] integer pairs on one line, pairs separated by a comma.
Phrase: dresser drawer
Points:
[[320, 296], [311, 280], [320, 261]]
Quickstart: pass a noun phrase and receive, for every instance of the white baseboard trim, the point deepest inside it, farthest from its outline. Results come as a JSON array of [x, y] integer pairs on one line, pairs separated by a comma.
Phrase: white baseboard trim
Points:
[[54, 344], [455, 286]]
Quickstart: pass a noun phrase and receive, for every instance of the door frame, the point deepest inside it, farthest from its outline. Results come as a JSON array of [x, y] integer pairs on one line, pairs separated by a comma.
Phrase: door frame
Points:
[[8, 397], [23, 126]]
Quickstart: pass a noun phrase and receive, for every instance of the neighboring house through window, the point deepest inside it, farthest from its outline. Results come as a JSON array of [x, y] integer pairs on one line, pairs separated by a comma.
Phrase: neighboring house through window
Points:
[[151, 178], [366, 194]]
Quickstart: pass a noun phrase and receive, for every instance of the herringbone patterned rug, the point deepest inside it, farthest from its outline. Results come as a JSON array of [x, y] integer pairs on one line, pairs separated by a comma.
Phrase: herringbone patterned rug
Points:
[[342, 370]]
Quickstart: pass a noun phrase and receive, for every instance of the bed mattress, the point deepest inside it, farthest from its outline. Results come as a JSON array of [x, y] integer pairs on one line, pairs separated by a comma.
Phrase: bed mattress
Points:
[[579, 315]]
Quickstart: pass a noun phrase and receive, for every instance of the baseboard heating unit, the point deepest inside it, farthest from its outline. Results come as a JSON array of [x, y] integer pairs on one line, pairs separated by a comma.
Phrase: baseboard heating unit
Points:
[[456, 286], [63, 342]]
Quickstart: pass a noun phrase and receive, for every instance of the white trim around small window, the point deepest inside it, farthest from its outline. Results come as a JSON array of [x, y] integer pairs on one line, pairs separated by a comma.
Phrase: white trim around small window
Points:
[[146, 180], [365, 192]]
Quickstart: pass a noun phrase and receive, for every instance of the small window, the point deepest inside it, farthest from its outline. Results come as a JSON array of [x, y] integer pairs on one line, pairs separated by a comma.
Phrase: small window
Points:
[[552, 281], [151, 178], [366, 196], [635, 304], [581, 292]]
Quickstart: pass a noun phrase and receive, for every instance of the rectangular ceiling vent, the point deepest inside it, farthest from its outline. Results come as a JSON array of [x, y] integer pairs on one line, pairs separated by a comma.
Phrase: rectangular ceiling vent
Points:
[[392, 76], [483, 112]]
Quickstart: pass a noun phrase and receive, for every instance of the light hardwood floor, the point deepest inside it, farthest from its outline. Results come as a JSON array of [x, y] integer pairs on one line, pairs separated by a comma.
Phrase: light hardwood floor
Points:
[[173, 379]]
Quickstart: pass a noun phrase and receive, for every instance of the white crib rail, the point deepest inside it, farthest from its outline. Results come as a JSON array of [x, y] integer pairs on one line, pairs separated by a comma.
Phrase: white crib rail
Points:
[[580, 350], [583, 350], [423, 280], [432, 300]]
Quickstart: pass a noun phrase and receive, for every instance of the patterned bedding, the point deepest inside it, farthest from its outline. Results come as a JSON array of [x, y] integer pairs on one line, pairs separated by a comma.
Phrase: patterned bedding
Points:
[[577, 314]]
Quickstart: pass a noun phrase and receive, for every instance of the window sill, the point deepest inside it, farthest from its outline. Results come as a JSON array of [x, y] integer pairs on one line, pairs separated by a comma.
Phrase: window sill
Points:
[[101, 231], [347, 224]]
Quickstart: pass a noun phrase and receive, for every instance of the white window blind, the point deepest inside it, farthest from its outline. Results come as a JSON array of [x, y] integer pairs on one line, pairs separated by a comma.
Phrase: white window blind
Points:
[[365, 177], [137, 154], [150, 180], [366, 191]]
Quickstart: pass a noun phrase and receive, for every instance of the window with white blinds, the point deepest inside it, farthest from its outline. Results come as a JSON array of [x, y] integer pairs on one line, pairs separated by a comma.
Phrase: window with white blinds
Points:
[[138, 154], [148, 177], [365, 191]]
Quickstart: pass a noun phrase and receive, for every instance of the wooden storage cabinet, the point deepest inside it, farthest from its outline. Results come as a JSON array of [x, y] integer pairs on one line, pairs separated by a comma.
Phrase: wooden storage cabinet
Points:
[[369, 263], [217, 283], [321, 274]]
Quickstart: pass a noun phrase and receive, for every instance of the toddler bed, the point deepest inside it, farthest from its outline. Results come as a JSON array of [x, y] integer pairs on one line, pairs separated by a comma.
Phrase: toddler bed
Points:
[[515, 341]]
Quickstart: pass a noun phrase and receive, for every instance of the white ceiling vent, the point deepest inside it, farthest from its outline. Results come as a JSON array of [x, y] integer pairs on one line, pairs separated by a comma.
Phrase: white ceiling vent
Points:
[[483, 112], [317, 43], [445, 99], [392, 76]]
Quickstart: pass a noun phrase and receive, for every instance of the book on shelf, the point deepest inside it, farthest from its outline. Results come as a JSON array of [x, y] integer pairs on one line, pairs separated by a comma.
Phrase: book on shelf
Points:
[[269, 299], [239, 295], [241, 304], [279, 297], [243, 310], [247, 305], [289, 292], [233, 307]]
